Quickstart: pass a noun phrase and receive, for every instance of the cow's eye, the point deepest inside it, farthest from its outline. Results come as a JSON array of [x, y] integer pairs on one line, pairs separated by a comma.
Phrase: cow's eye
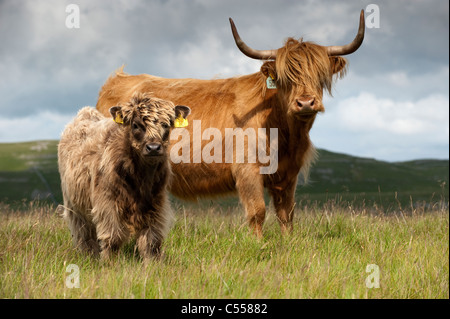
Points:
[[165, 125], [136, 127]]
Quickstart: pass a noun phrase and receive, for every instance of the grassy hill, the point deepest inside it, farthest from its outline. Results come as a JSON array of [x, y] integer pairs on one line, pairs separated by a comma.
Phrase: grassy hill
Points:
[[338, 172], [370, 180], [29, 171]]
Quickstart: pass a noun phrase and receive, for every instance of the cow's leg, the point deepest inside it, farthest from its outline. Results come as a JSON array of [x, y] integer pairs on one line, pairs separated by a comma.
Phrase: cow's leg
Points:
[[110, 233], [251, 193], [151, 236], [83, 231], [109, 245], [283, 201], [148, 243]]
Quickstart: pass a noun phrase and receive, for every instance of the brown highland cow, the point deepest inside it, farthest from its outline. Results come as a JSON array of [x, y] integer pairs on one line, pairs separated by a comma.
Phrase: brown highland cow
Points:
[[115, 173], [285, 95]]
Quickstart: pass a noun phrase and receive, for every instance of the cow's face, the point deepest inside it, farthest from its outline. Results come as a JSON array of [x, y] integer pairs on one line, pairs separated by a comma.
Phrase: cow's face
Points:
[[302, 71], [149, 121]]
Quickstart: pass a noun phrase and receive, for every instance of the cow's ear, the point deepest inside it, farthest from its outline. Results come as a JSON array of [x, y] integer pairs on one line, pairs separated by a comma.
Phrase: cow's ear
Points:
[[268, 69], [181, 113], [338, 65], [182, 110], [116, 112]]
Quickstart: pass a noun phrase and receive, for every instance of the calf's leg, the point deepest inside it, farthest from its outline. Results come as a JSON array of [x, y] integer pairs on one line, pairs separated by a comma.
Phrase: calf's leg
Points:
[[111, 233], [148, 242], [83, 231]]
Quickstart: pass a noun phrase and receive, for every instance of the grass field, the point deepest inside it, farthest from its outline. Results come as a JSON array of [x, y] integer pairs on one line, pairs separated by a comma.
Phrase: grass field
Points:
[[354, 212], [209, 253]]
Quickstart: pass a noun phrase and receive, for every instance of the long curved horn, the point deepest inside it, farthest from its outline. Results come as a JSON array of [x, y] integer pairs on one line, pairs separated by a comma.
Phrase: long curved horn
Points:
[[354, 45], [252, 53]]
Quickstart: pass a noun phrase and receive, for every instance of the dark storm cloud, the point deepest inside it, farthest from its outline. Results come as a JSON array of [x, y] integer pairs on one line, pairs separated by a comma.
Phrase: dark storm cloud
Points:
[[47, 67]]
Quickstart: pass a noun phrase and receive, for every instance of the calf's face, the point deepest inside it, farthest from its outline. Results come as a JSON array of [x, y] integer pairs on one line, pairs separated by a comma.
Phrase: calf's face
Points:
[[148, 122]]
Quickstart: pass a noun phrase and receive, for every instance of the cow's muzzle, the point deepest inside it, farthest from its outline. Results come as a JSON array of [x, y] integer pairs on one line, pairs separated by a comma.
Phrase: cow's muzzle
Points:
[[153, 149], [306, 106]]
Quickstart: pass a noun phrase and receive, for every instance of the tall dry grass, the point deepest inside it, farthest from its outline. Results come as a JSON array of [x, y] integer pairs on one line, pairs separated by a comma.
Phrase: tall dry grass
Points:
[[210, 253]]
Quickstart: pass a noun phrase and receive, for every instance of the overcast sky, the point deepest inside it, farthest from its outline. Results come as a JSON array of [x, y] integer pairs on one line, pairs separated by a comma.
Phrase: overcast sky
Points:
[[392, 105]]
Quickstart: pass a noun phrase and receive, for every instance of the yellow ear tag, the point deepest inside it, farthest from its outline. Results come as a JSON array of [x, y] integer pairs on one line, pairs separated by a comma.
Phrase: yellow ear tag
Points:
[[118, 119], [181, 122]]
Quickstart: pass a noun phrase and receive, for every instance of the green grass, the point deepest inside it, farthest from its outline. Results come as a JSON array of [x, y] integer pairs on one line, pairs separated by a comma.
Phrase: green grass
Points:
[[28, 171], [209, 253], [354, 212]]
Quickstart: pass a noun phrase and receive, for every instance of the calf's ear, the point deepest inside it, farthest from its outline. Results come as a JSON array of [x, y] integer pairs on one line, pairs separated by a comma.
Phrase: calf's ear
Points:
[[181, 113], [182, 110], [116, 112]]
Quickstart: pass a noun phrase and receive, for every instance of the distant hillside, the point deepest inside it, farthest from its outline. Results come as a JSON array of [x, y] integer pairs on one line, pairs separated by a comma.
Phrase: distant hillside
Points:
[[370, 180], [29, 171], [338, 172]]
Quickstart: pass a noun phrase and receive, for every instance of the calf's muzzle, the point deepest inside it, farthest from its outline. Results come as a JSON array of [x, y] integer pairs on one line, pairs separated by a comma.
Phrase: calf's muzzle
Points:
[[153, 149]]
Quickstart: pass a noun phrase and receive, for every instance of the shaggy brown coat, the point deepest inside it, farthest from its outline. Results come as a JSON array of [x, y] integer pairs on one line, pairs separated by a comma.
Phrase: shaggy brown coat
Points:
[[302, 71], [114, 175]]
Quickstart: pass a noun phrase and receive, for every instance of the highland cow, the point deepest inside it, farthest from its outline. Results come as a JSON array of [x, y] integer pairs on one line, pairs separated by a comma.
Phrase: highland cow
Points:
[[286, 95], [115, 174]]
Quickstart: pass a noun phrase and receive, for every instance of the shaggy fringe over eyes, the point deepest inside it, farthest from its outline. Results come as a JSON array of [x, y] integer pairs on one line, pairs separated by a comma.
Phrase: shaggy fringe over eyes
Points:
[[302, 63], [149, 108]]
